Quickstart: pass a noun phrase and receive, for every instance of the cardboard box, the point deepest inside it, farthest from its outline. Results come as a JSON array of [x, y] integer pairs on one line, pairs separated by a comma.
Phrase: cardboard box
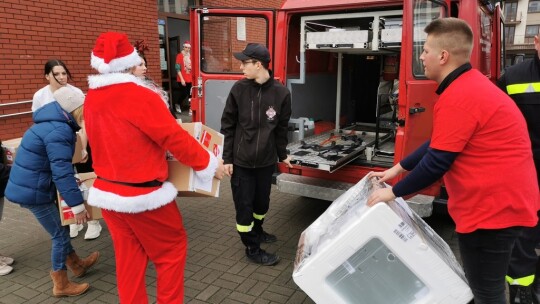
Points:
[[66, 215], [11, 146], [382, 254], [183, 177], [77, 155]]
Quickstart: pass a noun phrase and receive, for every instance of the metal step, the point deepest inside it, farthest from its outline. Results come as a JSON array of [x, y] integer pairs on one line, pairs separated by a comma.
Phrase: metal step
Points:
[[329, 190]]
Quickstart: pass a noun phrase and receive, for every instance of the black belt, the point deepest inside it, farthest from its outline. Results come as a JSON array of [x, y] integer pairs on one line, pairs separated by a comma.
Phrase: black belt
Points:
[[154, 183]]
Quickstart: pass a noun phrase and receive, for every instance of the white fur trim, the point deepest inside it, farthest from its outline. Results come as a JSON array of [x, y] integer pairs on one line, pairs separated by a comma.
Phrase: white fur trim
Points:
[[132, 204], [208, 173], [102, 80], [116, 65]]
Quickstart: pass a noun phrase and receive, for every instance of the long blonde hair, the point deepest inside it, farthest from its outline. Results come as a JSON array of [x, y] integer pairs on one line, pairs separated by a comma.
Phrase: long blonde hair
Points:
[[78, 115]]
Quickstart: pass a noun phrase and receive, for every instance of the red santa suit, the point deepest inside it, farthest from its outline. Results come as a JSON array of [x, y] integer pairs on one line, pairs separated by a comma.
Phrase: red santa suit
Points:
[[130, 131]]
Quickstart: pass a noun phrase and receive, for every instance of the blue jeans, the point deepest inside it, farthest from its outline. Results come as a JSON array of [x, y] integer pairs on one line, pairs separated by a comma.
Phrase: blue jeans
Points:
[[49, 217], [486, 254]]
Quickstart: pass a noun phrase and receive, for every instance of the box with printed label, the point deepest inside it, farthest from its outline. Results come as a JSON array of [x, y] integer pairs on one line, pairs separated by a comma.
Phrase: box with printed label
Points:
[[86, 180], [184, 177], [11, 146], [382, 254]]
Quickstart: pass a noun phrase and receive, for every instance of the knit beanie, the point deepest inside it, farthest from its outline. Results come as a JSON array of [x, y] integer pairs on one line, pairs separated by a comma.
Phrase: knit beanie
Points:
[[68, 98]]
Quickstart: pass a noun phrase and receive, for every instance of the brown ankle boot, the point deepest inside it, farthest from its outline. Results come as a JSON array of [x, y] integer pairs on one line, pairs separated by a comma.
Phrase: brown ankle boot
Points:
[[79, 266], [62, 287]]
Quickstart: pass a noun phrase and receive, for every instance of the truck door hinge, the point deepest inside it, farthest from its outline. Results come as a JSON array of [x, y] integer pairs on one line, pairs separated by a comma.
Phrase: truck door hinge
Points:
[[199, 86]]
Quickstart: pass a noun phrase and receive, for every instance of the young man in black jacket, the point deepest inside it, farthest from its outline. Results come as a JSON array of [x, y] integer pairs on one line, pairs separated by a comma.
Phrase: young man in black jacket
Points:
[[522, 83], [254, 122]]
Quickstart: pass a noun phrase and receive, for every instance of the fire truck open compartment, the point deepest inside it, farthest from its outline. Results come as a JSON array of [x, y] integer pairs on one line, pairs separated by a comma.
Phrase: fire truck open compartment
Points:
[[343, 61], [344, 71]]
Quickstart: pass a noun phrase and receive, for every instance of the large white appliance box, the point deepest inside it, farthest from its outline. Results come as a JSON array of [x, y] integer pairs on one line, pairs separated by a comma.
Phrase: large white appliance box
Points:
[[382, 254]]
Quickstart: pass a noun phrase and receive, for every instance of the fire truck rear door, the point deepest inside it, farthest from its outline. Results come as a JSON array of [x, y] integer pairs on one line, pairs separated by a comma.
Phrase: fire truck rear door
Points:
[[416, 110], [216, 34]]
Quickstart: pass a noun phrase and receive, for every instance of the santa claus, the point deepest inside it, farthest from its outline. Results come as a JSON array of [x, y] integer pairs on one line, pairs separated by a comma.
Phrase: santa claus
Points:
[[130, 131]]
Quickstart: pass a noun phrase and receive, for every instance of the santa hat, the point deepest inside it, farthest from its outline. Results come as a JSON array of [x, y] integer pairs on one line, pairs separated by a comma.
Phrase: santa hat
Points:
[[113, 53], [187, 44], [68, 98]]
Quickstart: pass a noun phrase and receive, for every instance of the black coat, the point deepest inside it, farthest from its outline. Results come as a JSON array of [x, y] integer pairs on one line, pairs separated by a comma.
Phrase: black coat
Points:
[[254, 122], [527, 97]]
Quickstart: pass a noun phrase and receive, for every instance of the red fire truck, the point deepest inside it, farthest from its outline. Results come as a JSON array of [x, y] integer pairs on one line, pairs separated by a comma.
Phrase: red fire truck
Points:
[[360, 99]]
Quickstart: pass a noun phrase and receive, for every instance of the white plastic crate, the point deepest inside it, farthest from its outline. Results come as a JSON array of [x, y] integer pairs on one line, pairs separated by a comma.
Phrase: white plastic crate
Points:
[[384, 254]]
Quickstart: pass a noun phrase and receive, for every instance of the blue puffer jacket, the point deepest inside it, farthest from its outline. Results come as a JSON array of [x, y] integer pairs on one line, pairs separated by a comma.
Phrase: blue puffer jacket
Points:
[[43, 160]]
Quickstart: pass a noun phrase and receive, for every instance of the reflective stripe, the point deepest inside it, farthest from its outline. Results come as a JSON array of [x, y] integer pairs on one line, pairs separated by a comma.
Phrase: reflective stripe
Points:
[[533, 87], [525, 281], [258, 216], [242, 228]]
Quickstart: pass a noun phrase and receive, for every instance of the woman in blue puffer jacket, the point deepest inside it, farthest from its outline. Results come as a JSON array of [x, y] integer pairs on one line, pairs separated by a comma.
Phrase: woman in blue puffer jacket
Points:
[[43, 165]]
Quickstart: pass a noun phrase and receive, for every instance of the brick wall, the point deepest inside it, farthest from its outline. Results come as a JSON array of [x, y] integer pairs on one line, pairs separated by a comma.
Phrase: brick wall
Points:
[[32, 32], [220, 27]]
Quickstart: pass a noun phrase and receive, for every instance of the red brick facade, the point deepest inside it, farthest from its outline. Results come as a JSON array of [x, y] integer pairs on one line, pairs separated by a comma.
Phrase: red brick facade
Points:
[[32, 32]]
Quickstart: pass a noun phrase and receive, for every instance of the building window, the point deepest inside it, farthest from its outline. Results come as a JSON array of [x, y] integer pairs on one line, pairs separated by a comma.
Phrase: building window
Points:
[[534, 6], [532, 30], [510, 10], [222, 36], [175, 6], [424, 12], [509, 32]]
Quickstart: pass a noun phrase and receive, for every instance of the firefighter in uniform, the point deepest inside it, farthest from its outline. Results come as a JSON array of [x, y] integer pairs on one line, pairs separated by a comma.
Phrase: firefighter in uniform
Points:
[[254, 123], [522, 83]]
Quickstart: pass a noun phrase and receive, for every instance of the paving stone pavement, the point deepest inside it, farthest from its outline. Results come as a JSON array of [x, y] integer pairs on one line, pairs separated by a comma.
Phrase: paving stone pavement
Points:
[[216, 270]]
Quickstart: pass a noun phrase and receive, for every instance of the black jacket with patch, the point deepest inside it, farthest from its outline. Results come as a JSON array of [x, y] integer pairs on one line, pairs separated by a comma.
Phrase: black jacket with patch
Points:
[[254, 122]]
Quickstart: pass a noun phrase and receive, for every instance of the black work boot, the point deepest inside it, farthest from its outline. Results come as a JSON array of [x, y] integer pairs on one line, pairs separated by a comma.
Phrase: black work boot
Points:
[[267, 237], [259, 256], [263, 236]]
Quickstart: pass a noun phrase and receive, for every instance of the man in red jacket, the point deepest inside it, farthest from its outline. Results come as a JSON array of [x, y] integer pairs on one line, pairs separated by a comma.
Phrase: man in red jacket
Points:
[[183, 75], [480, 145]]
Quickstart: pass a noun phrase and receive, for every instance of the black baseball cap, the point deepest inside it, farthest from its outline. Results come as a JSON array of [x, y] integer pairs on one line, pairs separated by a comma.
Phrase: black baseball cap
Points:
[[254, 51]]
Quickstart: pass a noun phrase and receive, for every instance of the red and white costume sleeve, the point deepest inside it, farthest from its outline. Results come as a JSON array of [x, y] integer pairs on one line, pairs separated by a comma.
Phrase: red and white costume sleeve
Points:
[[130, 131]]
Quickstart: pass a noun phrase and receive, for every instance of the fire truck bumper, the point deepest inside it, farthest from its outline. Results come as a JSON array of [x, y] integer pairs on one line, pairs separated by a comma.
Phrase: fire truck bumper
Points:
[[329, 190]]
